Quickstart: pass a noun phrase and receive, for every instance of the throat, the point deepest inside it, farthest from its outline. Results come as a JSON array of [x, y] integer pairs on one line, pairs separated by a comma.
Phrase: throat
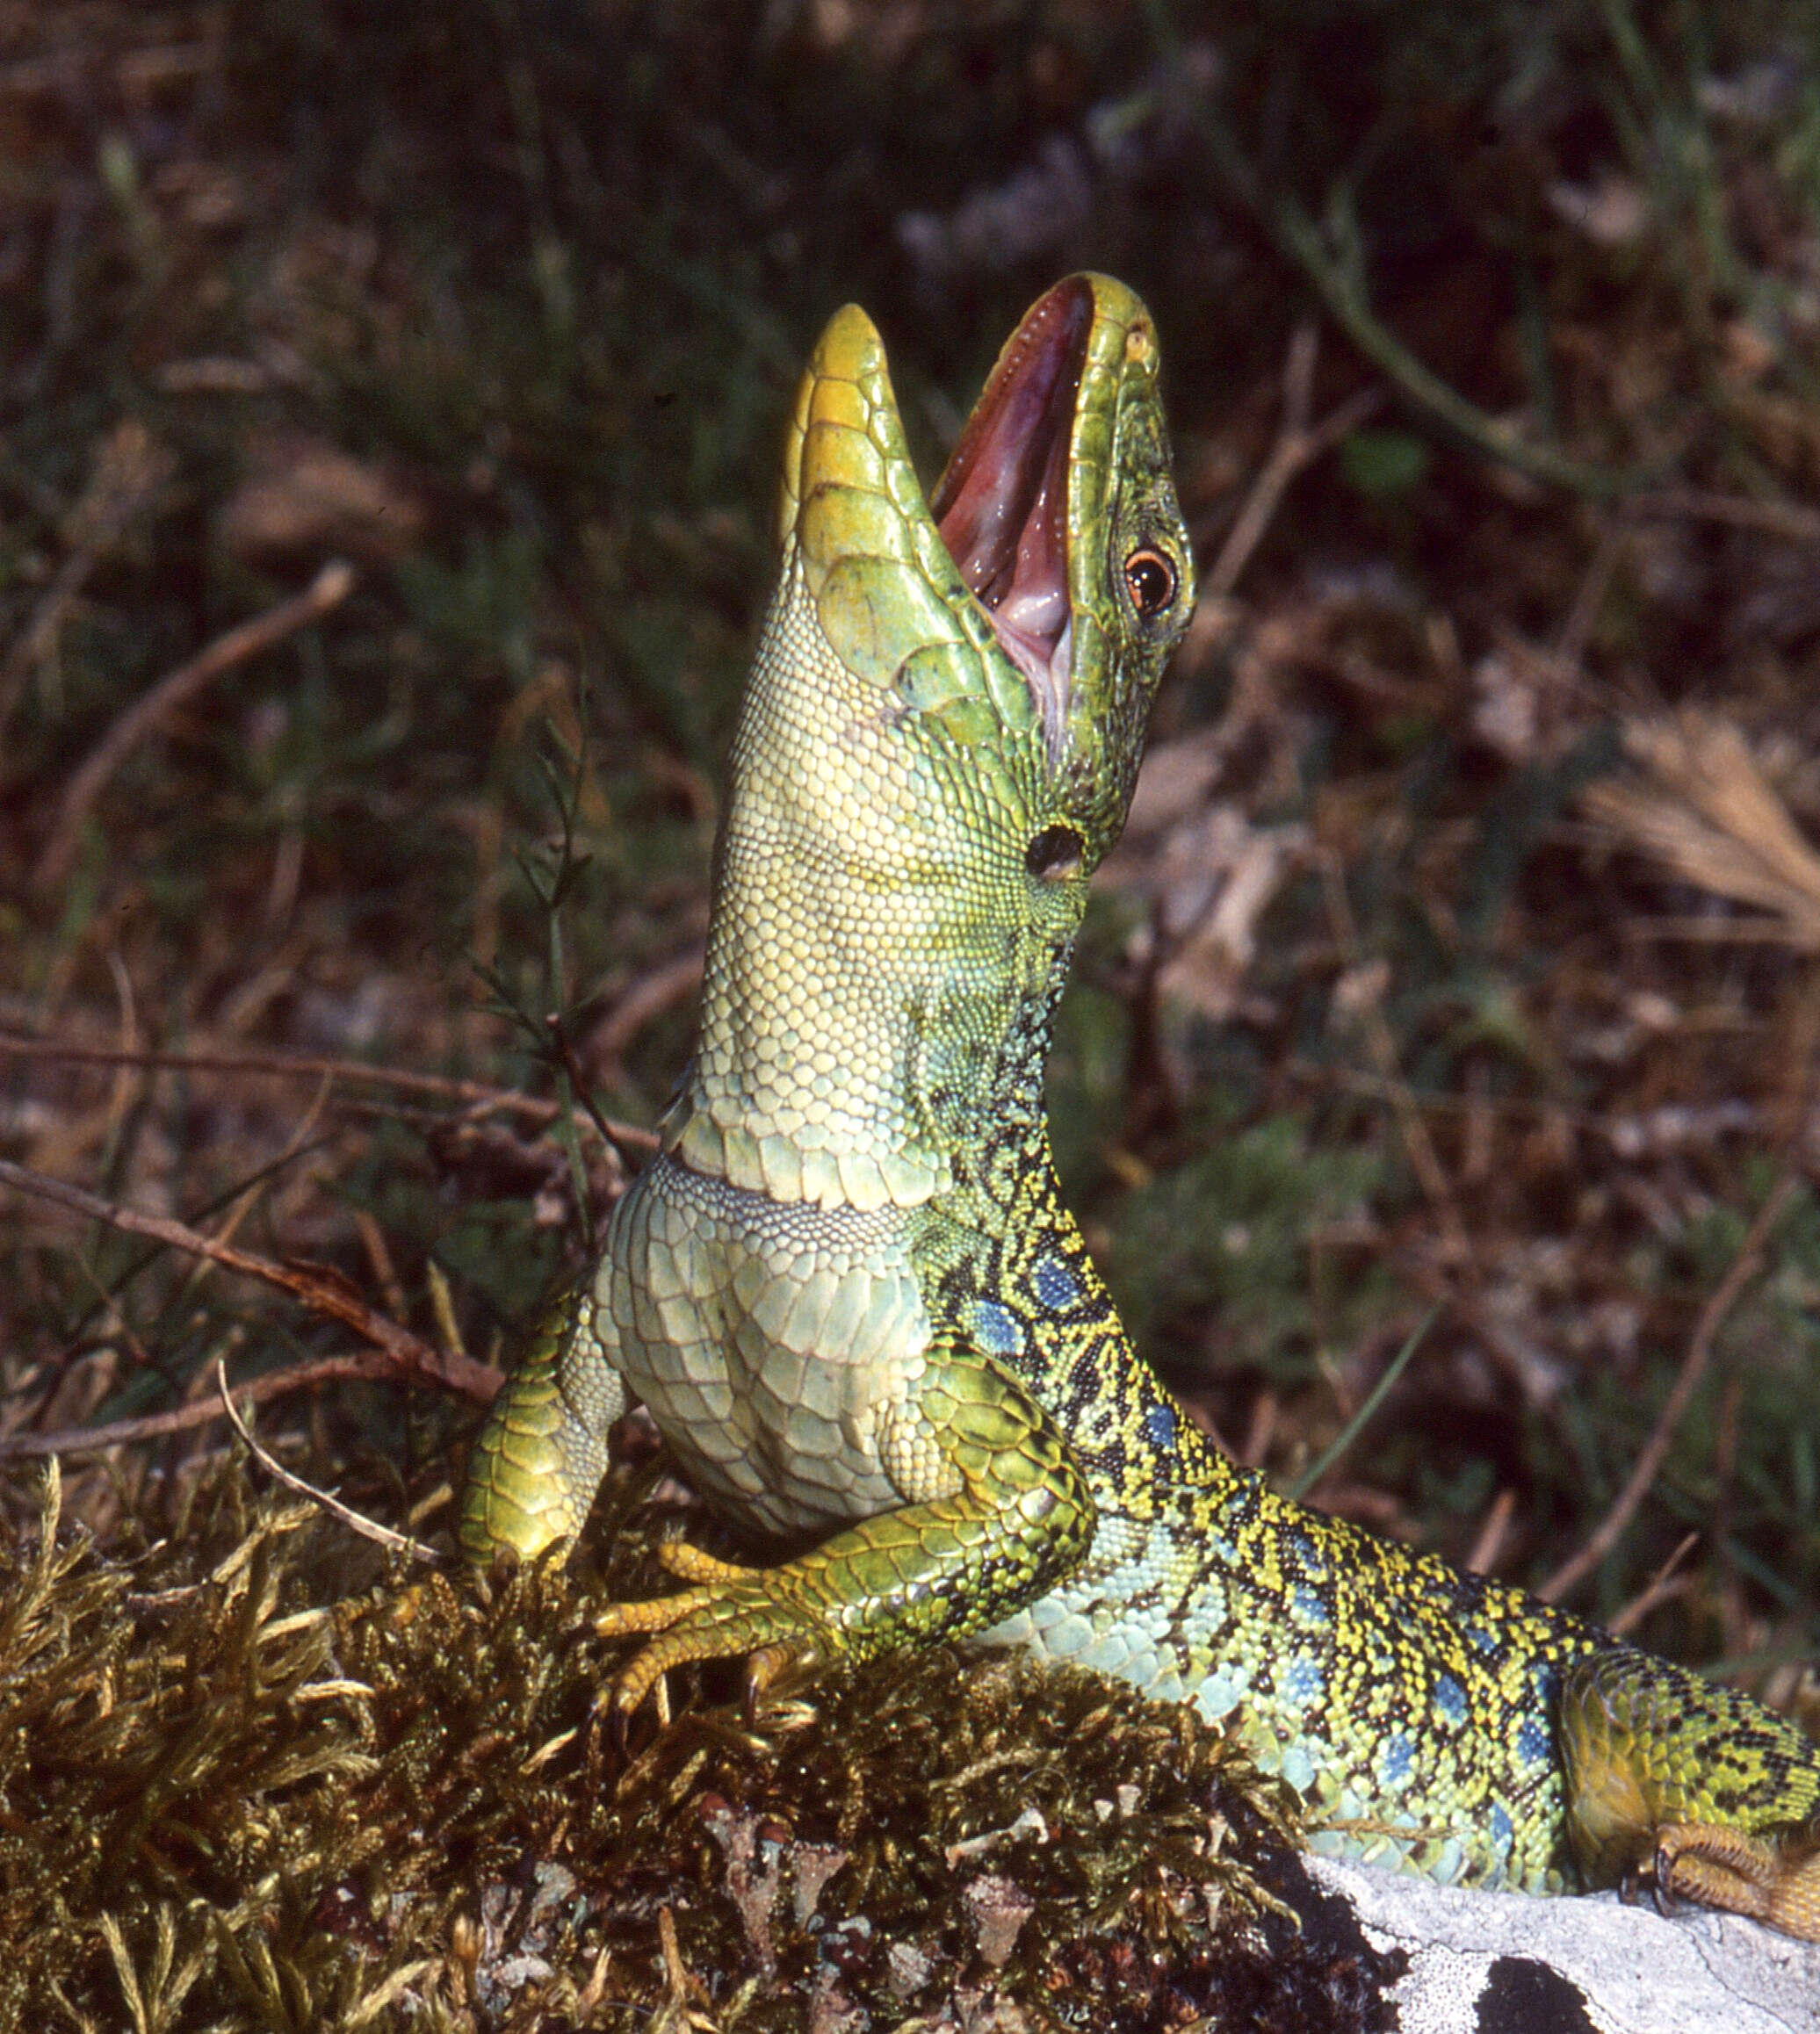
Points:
[[984, 1101]]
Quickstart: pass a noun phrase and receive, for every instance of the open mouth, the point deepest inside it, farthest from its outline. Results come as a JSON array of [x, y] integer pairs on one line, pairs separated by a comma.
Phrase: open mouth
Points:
[[1003, 503]]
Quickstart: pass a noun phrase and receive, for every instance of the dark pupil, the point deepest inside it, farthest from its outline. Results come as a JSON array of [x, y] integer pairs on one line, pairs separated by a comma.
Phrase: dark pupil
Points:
[[1152, 580], [1054, 851]]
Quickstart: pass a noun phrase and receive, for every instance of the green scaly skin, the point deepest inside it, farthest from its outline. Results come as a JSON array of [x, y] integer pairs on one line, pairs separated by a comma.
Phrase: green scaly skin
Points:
[[847, 1289]]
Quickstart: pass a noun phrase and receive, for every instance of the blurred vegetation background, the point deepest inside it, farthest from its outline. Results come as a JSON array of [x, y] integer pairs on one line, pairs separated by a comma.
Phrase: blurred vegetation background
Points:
[[1459, 965]]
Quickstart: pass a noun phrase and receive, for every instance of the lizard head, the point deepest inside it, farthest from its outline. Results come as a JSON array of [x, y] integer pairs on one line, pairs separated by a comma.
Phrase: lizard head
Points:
[[937, 745], [1039, 591]]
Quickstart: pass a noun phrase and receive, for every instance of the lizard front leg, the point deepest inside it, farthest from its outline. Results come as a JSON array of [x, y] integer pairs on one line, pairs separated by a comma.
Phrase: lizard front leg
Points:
[[995, 1511], [540, 1456]]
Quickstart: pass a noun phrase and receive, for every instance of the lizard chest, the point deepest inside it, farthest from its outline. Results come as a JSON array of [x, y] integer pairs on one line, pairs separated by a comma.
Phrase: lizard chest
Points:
[[765, 1337]]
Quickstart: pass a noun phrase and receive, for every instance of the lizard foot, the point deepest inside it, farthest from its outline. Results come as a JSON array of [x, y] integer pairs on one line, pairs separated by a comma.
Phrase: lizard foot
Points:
[[1777, 1882], [945, 1563], [732, 1610]]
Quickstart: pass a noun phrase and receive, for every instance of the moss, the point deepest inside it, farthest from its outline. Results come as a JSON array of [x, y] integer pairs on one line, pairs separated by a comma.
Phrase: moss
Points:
[[235, 1794]]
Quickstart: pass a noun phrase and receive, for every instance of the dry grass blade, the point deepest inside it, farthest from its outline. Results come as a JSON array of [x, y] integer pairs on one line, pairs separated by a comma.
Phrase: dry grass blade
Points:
[[367, 1528], [1706, 809]]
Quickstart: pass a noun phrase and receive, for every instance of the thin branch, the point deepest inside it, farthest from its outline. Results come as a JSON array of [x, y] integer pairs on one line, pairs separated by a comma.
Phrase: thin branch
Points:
[[132, 468], [657, 990], [1489, 1544], [295, 1144], [1570, 648], [326, 591], [356, 1522], [1296, 233], [1298, 444], [94, 1440], [408, 1352], [1789, 519], [1665, 1584], [286, 1066], [1338, 281], [578, 1087], [1694, 1365]]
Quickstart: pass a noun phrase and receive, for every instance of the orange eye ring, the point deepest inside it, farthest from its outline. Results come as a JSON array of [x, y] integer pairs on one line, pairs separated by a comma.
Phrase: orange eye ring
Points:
[[1150, 580]]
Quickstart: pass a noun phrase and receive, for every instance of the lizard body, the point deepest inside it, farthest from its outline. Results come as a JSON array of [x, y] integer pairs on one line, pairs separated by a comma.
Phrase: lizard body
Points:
[[850, 1291]]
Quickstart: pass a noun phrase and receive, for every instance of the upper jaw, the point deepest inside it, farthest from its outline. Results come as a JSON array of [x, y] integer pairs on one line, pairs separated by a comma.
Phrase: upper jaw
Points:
[[998, 607], [1003, 503]]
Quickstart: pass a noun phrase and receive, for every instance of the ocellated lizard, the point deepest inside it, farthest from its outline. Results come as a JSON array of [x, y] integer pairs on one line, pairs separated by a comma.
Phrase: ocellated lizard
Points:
[[847, 1289]]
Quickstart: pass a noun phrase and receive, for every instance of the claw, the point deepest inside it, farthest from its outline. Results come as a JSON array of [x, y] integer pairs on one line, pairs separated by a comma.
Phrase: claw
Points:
[[764, 1666]]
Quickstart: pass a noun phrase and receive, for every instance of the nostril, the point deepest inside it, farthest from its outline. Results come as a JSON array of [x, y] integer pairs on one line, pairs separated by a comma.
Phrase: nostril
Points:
[[1055, 851]]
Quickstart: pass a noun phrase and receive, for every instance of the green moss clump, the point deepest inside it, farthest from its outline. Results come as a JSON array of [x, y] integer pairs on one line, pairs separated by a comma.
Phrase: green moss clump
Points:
[[234, 1795]]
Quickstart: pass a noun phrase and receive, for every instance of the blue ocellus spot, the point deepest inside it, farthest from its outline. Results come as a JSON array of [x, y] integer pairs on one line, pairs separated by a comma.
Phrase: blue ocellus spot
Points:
[[1532, 1742], [1396, 1755], [997, 1329], [1502, 1827], [1311, 1606], [1056, 1285], [1303, 1681], [1159, 1427], [1450, 1698]]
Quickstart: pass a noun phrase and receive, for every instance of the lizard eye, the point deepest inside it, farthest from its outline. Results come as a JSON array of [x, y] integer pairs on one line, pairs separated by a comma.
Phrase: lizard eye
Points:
[[1054, 852], [1150, 580]]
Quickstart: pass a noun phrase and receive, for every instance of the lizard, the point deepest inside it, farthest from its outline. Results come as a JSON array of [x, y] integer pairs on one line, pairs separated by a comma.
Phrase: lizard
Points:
[[849, 1290]]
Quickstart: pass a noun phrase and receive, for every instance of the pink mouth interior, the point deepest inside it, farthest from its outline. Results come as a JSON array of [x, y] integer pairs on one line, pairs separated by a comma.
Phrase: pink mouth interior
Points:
[[1001, 505]]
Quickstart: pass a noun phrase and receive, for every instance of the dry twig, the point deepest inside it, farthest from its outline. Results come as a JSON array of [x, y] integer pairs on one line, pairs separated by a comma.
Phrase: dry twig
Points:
[[1488, 1544], [95, 1440], [408, 1353], [481, 1097], [1298, 444], [1791, 520], [367, 1528], [1664, 1583]]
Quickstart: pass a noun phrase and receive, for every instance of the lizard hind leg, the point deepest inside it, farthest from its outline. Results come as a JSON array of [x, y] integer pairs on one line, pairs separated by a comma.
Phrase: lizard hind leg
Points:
[[1691, 1787]]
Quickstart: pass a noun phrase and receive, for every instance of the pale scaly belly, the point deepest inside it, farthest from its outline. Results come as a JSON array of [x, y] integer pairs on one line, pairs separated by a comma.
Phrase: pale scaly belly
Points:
[[765, 1337]]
